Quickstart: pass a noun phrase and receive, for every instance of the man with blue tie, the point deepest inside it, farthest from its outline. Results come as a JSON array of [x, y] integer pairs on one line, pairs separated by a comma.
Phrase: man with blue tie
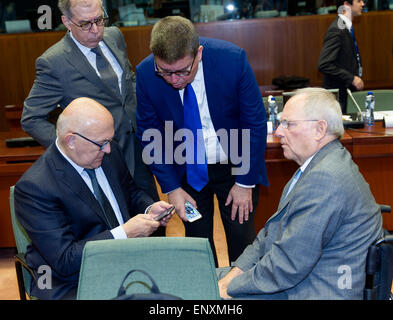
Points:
[[315, 245], [204, 91], [339, 60]]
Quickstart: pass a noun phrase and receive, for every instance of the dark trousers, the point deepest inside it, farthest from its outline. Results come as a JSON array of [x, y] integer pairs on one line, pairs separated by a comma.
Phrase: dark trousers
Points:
[[238, 236]]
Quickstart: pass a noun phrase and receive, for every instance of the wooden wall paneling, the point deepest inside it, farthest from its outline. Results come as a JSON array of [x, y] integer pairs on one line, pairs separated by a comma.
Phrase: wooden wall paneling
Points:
[[137, 39], [11, 70], [374, 34]]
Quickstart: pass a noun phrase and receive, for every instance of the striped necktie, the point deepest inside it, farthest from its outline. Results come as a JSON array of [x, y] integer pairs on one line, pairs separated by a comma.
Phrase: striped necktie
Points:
[[106, 71]]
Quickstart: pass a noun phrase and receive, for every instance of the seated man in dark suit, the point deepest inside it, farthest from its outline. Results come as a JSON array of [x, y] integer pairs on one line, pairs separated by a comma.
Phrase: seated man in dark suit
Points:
[[79, 190]]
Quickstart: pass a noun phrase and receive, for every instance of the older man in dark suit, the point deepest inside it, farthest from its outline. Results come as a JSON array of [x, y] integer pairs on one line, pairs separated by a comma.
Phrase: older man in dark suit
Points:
[[79, 190], [339, 60]]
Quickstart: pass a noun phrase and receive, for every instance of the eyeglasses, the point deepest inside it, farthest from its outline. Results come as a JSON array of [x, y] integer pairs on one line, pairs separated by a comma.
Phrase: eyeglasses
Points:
[[101, 146], [87, 25], [180, 73], [286, 123]]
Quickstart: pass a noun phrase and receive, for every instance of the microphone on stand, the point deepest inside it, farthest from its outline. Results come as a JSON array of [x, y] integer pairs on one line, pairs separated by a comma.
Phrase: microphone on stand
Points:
[[357, 106]]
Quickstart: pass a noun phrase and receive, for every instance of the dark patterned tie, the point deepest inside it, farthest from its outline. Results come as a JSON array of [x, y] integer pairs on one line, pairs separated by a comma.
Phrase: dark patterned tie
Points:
[[102, 200], [357, 51], [196, 168], [106, 71]]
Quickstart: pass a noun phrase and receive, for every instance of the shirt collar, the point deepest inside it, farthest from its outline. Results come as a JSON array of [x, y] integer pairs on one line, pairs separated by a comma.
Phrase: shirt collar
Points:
[[85, 50], [306, 163], [78, 168]]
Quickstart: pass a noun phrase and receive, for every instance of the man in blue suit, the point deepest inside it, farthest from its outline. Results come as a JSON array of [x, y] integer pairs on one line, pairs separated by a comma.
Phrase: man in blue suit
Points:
[[60, 202], [200, 97]]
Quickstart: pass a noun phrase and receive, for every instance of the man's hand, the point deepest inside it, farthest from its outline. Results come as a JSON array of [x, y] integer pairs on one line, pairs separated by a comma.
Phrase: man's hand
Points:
[[224, 282], [142, 225], [160, 207], [241, 199], [178, 198], [358, 83]]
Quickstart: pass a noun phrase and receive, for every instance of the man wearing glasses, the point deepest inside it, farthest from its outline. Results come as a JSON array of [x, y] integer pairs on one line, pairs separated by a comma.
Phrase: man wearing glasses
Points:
[[205, 86], [79, 190], [315, 245], [89, 61]]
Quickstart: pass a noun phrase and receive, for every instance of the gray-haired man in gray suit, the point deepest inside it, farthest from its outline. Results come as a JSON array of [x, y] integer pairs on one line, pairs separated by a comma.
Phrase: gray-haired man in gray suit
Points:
[[73, 68], [315, 245]]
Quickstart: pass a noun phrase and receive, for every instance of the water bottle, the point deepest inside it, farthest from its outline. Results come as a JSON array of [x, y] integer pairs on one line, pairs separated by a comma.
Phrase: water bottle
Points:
[[272, 110], [369, 114]]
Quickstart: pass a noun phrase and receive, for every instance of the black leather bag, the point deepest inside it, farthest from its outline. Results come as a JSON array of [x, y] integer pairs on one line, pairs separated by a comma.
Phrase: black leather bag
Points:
[[155, 294], [291, 82]]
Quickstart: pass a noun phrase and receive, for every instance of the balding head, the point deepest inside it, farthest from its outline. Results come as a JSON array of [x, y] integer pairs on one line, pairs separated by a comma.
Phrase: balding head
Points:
[[82, 120]]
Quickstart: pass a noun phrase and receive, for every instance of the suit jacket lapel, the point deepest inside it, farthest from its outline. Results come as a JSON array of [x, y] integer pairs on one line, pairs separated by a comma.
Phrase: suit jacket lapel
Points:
[[211, 78], [71, 178]]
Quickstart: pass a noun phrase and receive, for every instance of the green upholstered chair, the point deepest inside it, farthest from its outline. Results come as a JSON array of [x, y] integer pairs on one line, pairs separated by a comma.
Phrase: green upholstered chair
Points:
[[183, 267], [383, 100], [23, 273]]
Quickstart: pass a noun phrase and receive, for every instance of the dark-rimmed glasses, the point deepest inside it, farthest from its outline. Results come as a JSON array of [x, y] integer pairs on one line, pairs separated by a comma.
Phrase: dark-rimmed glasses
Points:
[[101, 146], [287, 123], [87, 25], [180, 73]]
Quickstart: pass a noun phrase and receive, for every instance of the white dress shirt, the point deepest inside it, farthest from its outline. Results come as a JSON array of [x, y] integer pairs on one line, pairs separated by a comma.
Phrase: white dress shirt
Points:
[[118, 232]]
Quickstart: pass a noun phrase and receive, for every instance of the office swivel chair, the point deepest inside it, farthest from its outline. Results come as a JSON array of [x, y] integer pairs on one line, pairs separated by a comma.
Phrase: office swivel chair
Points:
[[183, 267], [379, 267], [24, 274]]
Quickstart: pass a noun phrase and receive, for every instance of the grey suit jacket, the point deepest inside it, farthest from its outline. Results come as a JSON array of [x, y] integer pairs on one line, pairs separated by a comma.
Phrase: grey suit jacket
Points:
[[64, 73], [315, 245]]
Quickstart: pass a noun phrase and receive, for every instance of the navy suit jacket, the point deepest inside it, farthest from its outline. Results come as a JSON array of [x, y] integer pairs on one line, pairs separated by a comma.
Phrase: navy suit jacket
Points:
[[60, 214], [234, 103]]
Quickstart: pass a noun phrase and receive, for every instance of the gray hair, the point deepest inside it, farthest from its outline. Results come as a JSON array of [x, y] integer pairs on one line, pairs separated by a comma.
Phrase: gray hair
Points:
[[321, 104], [65, 7], [173, 38]]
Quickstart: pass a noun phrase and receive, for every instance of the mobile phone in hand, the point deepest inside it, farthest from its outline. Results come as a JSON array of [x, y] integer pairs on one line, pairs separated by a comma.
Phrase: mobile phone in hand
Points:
[[165, 213], [192, 214]]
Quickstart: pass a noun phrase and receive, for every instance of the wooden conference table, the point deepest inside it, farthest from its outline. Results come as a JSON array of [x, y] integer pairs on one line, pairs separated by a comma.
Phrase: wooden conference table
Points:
[[371, 148]]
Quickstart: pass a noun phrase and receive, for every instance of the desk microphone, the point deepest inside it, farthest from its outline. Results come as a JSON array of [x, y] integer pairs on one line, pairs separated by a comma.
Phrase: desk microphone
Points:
[[354, 101]]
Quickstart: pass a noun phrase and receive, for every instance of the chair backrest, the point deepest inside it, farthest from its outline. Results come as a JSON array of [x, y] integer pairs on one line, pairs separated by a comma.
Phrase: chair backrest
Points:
[[183, 267], [383, 100], [379, 270], [21, 238]]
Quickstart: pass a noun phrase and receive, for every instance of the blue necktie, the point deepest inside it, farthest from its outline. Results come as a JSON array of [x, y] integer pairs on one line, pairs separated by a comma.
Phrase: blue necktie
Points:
[[294, 180], [356, 51], [196, 166], [102, 199]]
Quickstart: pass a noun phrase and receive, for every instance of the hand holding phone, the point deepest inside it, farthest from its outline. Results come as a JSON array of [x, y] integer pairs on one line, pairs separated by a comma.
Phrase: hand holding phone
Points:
[[164, 214]]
